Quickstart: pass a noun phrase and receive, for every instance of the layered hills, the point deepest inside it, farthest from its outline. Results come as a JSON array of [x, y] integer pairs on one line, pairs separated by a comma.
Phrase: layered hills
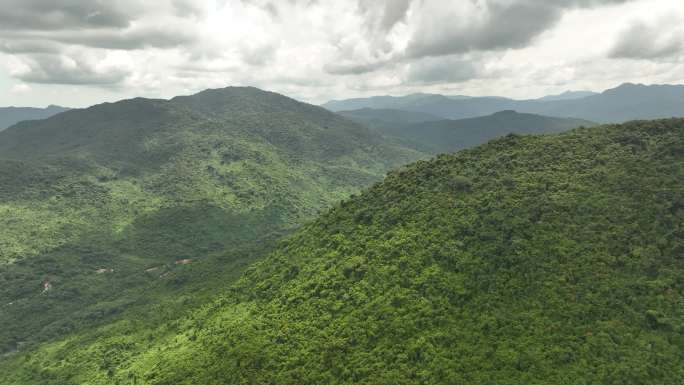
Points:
[[151, 206], [625, 102], [12, 115], [527, 260], [434, 135]]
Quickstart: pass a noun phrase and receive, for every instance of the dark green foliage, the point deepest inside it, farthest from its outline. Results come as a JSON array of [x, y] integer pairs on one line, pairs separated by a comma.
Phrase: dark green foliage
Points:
[[530, 260], [138, 185]]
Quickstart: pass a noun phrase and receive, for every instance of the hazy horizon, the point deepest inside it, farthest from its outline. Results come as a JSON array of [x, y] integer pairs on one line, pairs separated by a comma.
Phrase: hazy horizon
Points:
[[333, 99]]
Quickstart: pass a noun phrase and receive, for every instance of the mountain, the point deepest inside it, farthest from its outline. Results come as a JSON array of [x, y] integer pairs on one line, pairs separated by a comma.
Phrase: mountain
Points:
[[626, 102], [568, 95], [408, 102], [371, 116], [623, 103], [423, 132], [12, 115], [528, 260], [145, 208]]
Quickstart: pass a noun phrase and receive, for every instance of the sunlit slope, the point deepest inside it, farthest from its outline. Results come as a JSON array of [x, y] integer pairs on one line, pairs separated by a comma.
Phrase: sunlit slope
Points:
[[103, 202], [529, 260]]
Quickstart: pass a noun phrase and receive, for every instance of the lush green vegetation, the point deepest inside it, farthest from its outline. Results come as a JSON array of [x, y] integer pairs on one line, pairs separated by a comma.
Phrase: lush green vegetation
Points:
[[529, 260], [143, 209]]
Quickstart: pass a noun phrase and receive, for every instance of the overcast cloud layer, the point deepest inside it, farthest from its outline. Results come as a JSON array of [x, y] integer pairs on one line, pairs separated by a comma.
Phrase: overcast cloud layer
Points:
[[80, 52]]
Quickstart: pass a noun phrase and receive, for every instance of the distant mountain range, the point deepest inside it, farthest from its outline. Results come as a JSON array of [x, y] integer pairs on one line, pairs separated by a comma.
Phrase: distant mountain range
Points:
[[13, 115], [626, 102], [432, 134], [568, 95]]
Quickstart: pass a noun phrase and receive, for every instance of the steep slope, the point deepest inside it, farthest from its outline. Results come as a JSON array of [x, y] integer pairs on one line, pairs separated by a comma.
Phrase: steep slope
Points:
[[529, 260], [623, 103], [439, 136], [387, 121], [123, 205], [12, 115]]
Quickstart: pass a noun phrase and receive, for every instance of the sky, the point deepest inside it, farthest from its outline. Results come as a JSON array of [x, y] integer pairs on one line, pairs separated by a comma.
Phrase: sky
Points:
[[82, 52]]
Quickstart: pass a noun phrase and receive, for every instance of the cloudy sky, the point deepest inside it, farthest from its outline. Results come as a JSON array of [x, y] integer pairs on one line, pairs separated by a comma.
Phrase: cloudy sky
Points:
[[82, 52]]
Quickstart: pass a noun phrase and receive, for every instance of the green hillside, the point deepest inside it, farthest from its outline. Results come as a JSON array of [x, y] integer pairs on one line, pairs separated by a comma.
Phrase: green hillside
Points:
[[529, 260], [149, 207], [396, 126]]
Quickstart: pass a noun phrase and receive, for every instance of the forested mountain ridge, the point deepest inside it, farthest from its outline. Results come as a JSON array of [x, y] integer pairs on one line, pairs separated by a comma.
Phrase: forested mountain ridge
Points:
[[146, 202], [372, 116], [568, 95], [623, 103], [528, 260], [444, 135], [12, 115], [405, 103]]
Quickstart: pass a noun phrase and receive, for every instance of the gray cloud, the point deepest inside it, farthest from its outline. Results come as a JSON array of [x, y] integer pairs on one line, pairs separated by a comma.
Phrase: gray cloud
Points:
[[188, 8], [58, 69], [259, 55], [272, 7], [74, 14], [373, 51], [643, 41], [156, 37], [395, 11], [120, 24], [511, 26], [383, 15], [353, 68], [442, 70], [134, 38], [442, 28], [491, 25], [88, 14], [29, 46], [45, 35]]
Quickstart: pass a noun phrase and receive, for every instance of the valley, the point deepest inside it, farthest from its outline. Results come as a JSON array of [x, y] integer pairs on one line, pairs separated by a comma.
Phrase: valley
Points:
[[105, 204]]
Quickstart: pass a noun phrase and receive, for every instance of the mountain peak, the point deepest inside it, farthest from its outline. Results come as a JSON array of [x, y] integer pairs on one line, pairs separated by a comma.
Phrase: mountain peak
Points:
[[568, 95], [641, 86], [629, 85], [241, 100], [505, 113]]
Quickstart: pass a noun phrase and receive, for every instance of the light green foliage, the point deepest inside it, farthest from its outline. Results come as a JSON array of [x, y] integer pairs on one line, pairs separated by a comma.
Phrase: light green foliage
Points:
[[140, 184], [561, 263]]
